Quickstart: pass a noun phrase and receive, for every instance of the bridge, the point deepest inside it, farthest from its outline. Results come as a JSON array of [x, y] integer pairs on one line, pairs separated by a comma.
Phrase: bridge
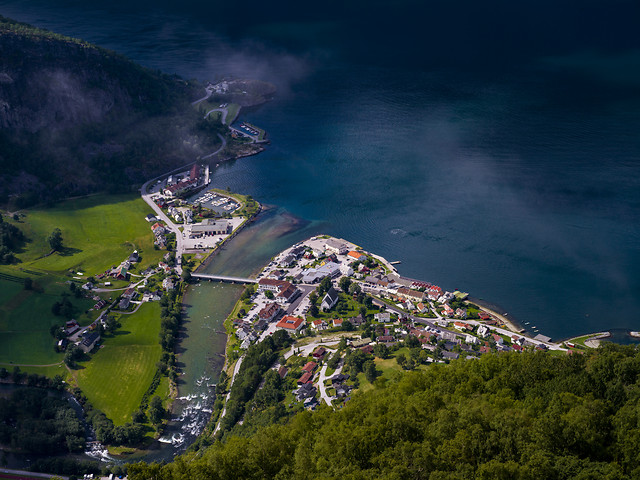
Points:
[[223, 278]]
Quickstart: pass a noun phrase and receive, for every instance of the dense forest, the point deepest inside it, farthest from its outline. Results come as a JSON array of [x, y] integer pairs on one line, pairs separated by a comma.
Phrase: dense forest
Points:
[[34, 421], [76, 118], [11, 239], [504, 416]]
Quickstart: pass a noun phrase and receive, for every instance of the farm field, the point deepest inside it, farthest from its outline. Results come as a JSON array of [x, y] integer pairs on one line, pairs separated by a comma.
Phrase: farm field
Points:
[[98, 232], [119, 373], [26, 318]]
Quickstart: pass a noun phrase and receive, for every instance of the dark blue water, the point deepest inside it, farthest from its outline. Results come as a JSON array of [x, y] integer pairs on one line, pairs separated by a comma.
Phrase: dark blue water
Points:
[[490, 147]]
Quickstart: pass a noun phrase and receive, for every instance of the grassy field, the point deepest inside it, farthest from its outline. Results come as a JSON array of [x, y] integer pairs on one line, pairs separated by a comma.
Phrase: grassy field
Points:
[[98, 232], [25, 320], [118, 375]]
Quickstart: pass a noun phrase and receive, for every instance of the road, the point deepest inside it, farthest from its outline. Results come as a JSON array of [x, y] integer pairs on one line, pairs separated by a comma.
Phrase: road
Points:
[[323, 377], [223, 117], [236, 369], [209, 90]]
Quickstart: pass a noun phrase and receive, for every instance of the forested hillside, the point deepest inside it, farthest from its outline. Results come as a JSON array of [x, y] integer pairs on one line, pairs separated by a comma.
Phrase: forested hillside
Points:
[[76, 118], [509, 416]]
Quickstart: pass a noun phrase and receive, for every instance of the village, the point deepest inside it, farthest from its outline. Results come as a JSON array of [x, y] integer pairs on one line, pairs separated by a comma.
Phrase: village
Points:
[[203, 220], [346, 307]]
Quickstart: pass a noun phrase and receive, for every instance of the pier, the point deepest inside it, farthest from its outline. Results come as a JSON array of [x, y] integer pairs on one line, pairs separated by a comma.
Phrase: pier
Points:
[[223, 278]]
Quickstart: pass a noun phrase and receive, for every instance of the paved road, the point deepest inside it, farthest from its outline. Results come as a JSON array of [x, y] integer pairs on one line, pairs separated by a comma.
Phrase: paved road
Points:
[[233, 377], [223, 118], [224, 144], [209, 90], [323, 377]]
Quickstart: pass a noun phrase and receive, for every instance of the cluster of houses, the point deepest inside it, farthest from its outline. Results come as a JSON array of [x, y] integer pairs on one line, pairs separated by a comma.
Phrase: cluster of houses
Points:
[[176, 185], [160, 234]]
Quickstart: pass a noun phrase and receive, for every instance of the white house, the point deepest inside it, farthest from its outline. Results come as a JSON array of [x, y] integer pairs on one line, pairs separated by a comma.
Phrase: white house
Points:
[[330, 299]]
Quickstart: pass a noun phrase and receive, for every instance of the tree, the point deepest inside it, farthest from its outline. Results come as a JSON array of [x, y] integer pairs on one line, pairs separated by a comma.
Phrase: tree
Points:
[[381, 351], [325, 285], [269, 294], [370, 371], [354, 288], [344, 284], [28, 283], [156, 411], [186, 275], [55, 239], [313, 310]]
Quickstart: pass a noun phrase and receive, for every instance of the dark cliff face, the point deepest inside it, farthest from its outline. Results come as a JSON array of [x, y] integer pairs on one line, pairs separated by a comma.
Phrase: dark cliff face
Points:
[[76, 118]]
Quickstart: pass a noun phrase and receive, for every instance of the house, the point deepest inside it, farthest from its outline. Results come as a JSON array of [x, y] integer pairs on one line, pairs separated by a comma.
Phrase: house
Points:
[[269, 312], [434, 292], [335, 246], [124, 303], [422, 308], [346, 270], [288, 294], [461, 312], [361, 343], [150, 218], [71, 327], [383, 317], [483, 315], [129, 293], [121, 273], [287, 261], [167, 284], [339, 379], [337, 322], [354, 255], [194, 173], [450, 355], [330, 299], [386, 339], [62, 344], [448, 310], [463, 327], [305, 378], [319, 325], [310, 367], [357, 321], [368, 349], [485, 349], [472, 340], [157, 229], [276, 275], [306, 391], [89, 341], [319, 353], [134, 257], [282, 371], [290, 324], [273, 285], [407, 293], [497, 338], [483, 330]]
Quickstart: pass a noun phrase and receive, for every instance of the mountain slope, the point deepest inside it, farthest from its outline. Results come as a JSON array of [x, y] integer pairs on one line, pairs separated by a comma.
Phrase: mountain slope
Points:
[[507, 416], [76, 118]]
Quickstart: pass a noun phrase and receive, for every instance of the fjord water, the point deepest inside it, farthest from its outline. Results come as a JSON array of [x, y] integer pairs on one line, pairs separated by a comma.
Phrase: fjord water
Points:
[[490, 147]]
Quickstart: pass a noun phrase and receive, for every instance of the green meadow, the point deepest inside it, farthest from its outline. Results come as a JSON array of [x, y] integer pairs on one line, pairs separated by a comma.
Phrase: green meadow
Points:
[[98, 231], [26, 318], [119, 373]]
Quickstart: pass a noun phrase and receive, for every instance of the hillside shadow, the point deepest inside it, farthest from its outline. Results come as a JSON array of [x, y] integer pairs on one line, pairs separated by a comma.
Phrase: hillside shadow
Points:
[[68, 251]]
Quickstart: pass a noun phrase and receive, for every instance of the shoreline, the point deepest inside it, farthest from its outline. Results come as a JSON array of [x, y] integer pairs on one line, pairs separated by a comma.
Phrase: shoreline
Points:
[[490, 308]]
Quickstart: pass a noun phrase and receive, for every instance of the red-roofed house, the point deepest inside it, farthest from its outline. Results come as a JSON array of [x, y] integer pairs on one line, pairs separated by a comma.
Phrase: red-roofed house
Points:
[[483, 315], [287, 294], [319, 324], [310, 367], [290, 324], [499, 340], [337, 322], [354, 254], [305, 378], [319, 353]]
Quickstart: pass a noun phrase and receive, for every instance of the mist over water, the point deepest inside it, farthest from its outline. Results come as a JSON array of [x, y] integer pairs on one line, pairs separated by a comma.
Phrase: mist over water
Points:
[[489, 147]]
